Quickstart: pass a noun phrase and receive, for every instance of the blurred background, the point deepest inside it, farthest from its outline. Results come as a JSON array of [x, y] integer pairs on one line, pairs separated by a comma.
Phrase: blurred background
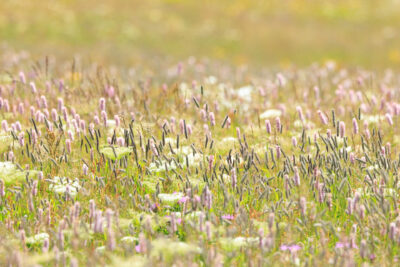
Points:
[[264, 32]]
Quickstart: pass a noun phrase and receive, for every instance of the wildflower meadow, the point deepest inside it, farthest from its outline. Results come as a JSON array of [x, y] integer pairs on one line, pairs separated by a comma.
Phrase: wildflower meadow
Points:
[[187, 160]]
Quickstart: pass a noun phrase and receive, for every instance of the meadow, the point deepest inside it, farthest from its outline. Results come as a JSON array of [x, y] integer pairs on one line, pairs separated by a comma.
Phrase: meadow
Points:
[[179, 133]]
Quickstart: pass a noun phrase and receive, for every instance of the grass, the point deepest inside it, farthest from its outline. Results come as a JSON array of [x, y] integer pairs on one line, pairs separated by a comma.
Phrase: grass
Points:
[[163, 172]]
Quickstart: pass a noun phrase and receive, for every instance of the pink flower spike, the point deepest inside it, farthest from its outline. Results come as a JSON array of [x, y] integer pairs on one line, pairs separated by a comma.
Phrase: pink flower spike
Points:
[[389, 118]]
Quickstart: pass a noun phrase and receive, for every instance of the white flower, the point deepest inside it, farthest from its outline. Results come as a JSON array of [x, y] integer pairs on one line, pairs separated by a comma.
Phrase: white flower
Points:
[[229, 139], [387, 192], [238, 242], [373, 167], [111, 123], [184, 89], [372, 118], [298, 124], [7, 167], [37, 239], [170, 248], [348, 149], [161, 167], [10, 173], [61, 185], [301, 124], [211, 80], [129, 239], [226, 178], [100, 249], [195, 160], [170, 140], [170, 199], [271, 113], [185, 150], [245, 92], [6, 139], [191, 215], [194, 214]]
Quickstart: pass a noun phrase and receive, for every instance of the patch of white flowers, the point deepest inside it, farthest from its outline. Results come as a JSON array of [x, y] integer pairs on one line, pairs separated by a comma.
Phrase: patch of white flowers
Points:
[[170, 199], [7, 168], [37, 239], [271, 113], [170, 248], [61, 185], [239, 242], [185, 152], [245, 92]]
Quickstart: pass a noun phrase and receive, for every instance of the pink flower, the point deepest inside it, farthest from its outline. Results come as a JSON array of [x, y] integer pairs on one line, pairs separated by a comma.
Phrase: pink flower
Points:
[[389, 118], [183, 199], [268, 126], [228, 217], [322, 117], [355, 126], [342, 129], [291, 248]]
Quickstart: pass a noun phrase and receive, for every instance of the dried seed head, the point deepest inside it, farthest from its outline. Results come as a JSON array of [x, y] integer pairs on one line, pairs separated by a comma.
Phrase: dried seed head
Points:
[[2, 188], [271, 218], [392, 231], [208, 230], [46, 245], [233, 178], [303, 206], [363, 249], [294, 141], [296, 176]]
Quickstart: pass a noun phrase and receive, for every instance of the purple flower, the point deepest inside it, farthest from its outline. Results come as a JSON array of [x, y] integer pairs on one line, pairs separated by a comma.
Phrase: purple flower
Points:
[[228, 217], [340, 245], [294, 248], [183, 199], [291, 248], [177, 220], [345, 245], [284, 247], [372, 257]]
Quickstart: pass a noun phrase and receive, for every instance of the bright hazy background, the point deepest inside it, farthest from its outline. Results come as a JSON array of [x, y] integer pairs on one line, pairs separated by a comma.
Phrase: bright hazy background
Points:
[[264, 32]]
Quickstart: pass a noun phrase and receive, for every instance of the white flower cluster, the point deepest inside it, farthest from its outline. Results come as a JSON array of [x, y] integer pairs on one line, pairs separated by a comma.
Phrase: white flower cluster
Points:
[[61, 185]]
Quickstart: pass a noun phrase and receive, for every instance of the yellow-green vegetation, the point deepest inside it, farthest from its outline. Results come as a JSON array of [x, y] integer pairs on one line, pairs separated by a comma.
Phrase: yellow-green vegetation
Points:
[[194, 165], [199, 133], [241, 31]]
